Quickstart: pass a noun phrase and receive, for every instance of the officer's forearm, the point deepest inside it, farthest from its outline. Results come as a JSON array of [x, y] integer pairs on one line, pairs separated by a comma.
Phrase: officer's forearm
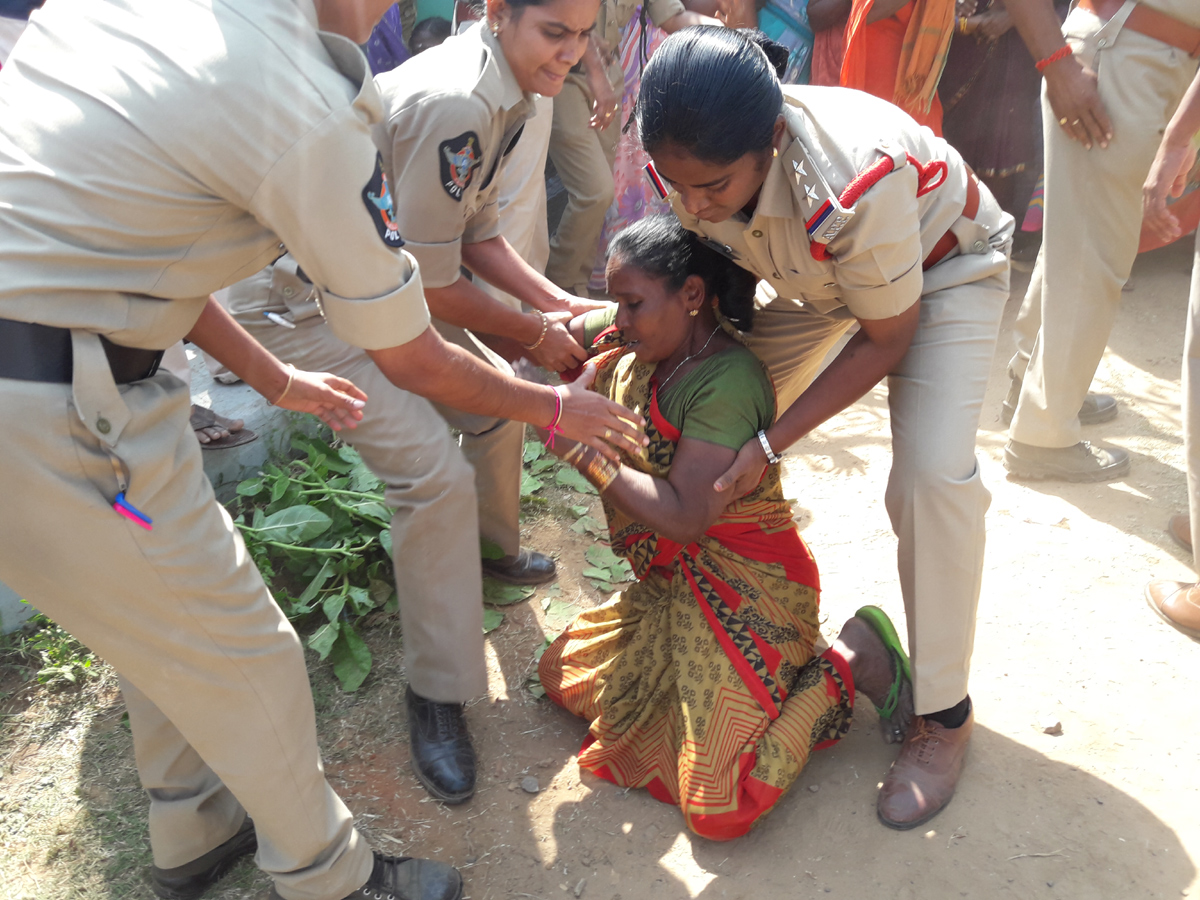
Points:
[[465, 305], [446, 373], [867, 357], [497, 263], [218, 334]]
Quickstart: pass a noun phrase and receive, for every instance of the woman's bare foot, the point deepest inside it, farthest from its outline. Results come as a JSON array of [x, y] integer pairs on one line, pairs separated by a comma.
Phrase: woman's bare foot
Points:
[[874, 672]]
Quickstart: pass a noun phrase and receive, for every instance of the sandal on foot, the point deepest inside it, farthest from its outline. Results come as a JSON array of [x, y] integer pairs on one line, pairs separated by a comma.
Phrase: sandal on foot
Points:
[[893, 717], [202, 417]]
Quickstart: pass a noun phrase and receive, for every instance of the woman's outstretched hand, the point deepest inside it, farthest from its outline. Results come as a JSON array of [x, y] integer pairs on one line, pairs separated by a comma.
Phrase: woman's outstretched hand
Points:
[[745, 473], [597, 421], [335, 401]]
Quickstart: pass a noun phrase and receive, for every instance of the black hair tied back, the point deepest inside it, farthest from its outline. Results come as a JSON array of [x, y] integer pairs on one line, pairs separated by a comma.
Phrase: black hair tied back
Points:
[[712, 92], [664, 249], [777, 54]]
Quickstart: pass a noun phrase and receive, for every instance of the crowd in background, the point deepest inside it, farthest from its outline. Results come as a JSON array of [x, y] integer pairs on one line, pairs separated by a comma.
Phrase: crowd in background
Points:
[[465, 213]]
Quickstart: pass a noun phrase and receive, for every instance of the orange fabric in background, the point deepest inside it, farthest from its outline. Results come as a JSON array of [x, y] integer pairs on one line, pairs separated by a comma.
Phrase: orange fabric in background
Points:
[[829, 46], [873, 55]]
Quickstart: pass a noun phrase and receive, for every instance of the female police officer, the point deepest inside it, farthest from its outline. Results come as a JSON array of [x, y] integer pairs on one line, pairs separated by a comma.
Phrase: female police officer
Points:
[[850, 212], [152, 151]]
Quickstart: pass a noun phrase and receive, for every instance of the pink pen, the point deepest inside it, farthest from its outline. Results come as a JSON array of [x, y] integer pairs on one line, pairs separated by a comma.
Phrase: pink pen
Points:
[[132, 518]]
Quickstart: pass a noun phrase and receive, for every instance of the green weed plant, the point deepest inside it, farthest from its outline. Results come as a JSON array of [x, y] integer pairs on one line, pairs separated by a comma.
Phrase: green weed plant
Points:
[[319, 531]]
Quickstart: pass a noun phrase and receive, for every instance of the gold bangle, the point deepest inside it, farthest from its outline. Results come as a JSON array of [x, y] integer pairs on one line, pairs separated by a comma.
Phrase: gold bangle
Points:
[[542, 336], [601, 471], [287, 387], [573, 454]]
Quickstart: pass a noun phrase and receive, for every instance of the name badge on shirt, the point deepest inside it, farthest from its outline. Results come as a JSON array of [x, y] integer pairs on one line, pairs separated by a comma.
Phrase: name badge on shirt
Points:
[[378, 199], [459, 158]]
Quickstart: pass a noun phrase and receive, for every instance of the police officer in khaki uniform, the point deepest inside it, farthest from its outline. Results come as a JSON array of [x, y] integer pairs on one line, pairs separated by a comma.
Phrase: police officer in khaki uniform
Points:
[[1110, 90], [584, 135], [152, 151], [852, 213]]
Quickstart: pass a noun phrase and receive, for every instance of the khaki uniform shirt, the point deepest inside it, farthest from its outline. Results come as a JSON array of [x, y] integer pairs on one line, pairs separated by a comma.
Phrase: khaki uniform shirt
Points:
[[877, 246], [451, 115], [153, 151]]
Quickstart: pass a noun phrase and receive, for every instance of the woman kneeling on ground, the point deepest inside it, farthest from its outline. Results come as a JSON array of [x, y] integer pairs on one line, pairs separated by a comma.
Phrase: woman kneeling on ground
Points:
[[701, 681]]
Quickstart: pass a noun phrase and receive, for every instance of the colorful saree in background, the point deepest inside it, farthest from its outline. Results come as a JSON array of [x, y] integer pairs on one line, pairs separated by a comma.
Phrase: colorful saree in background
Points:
[[786, 23], [901, 58], [700, 682], [634, 198]]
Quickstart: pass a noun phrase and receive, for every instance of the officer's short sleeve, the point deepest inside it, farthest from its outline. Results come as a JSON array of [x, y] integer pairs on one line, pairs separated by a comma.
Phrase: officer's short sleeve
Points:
[[878, 255], [437, 167], [661, 10], [328, 201], [485, 224]]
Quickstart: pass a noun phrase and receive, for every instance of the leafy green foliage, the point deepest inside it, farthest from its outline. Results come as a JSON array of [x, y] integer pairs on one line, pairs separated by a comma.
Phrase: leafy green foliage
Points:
[[491, 620], [607, 570], [318, 530], [571, 478], [60, 659]]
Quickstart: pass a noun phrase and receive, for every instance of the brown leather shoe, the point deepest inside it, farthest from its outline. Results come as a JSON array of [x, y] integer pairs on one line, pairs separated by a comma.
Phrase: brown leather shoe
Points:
[[924, 775], [1178, 604], [1180, 528]]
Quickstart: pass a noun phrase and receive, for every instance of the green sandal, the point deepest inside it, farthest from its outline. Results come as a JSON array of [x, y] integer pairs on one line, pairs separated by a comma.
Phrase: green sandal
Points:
[[883, 627]]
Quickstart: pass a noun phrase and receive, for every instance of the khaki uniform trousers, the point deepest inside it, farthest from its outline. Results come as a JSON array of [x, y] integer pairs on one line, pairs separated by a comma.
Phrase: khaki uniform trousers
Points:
[[523, 197], [1092, 221], [584, 160], [935, 497], [213, 675], [1191, 399], [430, 486]]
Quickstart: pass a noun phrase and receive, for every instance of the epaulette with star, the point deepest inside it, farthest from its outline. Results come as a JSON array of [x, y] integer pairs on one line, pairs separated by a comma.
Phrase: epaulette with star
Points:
[[825, 215], [828, 213]]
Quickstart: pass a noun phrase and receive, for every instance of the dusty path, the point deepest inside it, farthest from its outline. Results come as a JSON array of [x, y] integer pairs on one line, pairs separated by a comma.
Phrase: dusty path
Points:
[[1109, 809]]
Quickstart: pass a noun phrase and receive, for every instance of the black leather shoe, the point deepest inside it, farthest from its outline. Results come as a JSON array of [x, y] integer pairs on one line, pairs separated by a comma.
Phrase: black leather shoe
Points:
[[527, 567], [442, 756], [405, 878], [189, 881]]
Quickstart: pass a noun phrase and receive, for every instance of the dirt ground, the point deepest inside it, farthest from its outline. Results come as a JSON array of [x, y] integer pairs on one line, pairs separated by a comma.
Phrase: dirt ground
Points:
[[1108, 809]]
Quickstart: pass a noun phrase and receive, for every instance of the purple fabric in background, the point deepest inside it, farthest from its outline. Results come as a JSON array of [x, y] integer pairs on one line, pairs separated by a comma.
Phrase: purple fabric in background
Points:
[[385, 47]]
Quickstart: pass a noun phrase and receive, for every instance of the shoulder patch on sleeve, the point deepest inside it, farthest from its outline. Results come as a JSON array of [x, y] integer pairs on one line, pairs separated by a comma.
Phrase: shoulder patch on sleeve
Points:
[[459, 157], [378, 199]]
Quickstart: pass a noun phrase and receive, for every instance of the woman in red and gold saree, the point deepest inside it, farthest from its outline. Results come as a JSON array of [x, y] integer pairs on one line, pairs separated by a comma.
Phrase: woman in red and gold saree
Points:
[[702, 682]]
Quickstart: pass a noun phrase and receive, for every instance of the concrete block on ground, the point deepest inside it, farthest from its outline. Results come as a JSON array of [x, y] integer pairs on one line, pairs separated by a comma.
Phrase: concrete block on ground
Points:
[[13, 612]]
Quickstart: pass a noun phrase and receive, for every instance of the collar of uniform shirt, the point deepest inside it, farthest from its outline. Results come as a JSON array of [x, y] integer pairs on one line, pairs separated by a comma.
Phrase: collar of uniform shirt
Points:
[[776, 198], [504, 91]]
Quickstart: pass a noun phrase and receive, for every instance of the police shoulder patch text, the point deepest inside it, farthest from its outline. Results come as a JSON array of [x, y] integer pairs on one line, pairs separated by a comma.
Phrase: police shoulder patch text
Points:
[[458, 158], [378, 199]]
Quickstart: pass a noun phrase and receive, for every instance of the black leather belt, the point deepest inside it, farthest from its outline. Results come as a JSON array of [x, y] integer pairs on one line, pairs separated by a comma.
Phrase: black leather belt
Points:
[[31, 352]]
